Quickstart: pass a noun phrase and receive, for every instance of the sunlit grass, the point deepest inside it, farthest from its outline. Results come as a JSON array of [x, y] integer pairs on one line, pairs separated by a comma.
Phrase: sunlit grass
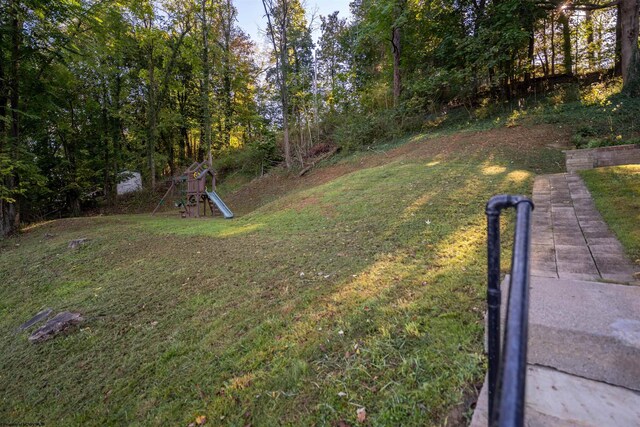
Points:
[[616, 191], [364, 291]]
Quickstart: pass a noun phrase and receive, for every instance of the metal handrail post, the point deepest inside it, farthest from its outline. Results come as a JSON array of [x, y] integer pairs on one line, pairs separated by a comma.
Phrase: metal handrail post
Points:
[[493, 209], [512, 377]]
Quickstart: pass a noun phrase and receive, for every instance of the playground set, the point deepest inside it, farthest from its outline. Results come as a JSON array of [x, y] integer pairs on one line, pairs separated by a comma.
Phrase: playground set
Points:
[[192, 186]]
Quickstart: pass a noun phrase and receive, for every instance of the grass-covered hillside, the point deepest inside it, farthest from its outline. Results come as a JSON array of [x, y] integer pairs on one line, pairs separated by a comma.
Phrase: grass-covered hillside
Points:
[[616, 191], [360, 285]]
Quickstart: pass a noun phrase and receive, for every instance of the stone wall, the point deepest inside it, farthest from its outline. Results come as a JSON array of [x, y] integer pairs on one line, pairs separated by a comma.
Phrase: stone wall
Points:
[[604, 156]]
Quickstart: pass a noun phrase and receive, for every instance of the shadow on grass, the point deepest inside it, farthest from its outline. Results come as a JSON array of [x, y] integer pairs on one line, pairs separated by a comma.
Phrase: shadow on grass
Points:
[[240, 320]]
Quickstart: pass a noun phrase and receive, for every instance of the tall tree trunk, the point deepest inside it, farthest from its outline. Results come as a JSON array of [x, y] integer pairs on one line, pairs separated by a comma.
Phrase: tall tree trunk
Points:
[[617, 69], [10, 211], [3, 96], [227, 28], [206, 77], [184, 143], [70, 146], [190, 151], [530, 63], [184, 133], [107, 142], [152, 116], [116, 133], [545, 61], [591, 57], [567, 59], [285, 100], [479, 9], [282, 64], [629, 11], [553, 43], [396, 41], [397, 82]]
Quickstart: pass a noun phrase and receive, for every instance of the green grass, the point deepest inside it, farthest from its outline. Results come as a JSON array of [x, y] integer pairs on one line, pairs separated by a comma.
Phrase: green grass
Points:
[[616, 191], [598, 115], [370, 283]]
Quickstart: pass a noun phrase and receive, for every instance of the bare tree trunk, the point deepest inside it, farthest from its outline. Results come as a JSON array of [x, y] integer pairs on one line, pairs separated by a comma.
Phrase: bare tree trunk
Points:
[[630, 9], [553, 43], [9, 210], [545, 61], [70, 146], [479, 8], [397, 82], [591, 57], [530, 62], [107, 186], [567, 59], [282, 63], [206, 77], [3, 97], [152, 131], [116, 129], [285, 108], [227, 28], [618, 53]]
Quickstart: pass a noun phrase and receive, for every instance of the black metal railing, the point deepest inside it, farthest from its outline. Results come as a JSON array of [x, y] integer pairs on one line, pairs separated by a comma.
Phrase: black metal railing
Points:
[[507, 366]]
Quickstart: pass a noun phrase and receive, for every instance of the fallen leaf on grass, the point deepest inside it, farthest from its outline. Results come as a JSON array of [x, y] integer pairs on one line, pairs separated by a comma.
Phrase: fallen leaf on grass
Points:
[[201, 420], [362, 415]]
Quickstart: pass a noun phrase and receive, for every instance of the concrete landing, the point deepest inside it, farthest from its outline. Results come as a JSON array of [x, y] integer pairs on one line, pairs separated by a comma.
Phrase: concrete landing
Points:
[[556, 399], [585, 328]]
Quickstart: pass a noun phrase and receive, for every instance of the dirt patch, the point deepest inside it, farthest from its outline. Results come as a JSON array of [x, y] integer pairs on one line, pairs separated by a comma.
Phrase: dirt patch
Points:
[[460, 415], [306, 202]]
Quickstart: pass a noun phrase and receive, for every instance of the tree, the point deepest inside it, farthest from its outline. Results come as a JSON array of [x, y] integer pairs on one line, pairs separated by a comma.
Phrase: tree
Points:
[[630, 62], [278, 17], [332, 61], [11, 140], [206, 8]]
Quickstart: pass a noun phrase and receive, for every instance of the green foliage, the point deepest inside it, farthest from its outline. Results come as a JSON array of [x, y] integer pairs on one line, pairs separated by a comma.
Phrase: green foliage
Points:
[[600, 94], [359, 130], [108, 86], [252, 159], [150, 85], [616, 192], [30, 177]]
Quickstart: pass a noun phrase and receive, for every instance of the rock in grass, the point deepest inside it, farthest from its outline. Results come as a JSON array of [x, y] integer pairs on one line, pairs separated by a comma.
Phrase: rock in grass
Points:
[[35, 319], [54, 326], [77, 242]]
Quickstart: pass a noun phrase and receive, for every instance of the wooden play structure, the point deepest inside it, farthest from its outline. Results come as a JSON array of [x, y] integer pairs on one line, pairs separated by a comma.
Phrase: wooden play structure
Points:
[[193, 194]]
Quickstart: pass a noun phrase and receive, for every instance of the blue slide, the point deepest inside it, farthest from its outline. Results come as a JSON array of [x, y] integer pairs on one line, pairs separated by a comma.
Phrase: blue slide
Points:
[[220, 204]]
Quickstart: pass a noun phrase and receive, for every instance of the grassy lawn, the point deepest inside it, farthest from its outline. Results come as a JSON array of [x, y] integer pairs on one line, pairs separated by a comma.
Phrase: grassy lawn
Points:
[[360, 286], [616, 191]]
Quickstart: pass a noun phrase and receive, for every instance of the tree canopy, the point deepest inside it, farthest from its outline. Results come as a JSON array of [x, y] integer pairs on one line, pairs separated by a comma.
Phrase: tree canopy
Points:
[[90, 89]]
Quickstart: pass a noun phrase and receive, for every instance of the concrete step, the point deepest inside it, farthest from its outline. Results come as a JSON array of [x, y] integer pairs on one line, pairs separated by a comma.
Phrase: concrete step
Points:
[[588, 329], [557, 399], [583, 354]]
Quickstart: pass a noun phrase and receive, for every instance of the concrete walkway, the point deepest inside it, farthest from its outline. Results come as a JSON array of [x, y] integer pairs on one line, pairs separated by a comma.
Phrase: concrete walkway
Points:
[[584, 318], [569, 238]]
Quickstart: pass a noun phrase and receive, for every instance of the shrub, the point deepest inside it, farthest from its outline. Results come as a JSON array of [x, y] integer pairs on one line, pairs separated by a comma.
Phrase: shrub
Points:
[[252, 159]]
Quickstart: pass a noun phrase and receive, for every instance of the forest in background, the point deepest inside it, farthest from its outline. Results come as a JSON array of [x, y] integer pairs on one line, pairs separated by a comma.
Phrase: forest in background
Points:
[[89, 89]]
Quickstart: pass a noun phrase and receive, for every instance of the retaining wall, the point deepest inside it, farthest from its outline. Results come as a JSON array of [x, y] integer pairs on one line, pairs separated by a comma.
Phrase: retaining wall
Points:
[[604, 156]]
